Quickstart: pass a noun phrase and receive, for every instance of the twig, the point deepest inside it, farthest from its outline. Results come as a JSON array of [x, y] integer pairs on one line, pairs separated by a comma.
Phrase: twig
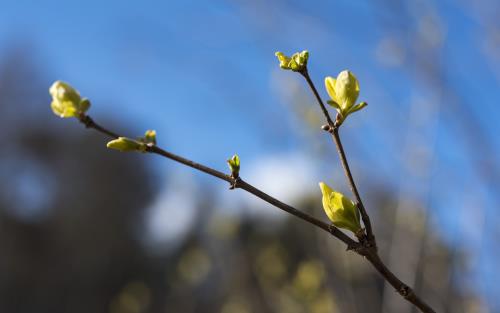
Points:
[[368, 247], [89, 123], [333, 129], [236, 183], [352, 184], [329, 120], [405, 291]]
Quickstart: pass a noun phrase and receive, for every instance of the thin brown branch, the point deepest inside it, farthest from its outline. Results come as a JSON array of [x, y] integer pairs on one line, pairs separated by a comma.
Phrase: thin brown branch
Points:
[[235, 183], [369, 252], [329, 120], [352, 184], [404, 290], [89, 123], [333, 129], [351, 244]]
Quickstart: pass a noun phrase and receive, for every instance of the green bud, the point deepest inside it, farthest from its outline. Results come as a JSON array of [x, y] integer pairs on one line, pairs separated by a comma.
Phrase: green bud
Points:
[[297, 62], [125, 144], [340, 210], [234, 165], [343, 92], [66, 101], [149, 137]]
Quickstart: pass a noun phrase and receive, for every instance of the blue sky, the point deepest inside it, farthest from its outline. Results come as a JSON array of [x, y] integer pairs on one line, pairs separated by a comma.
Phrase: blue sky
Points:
[[204, 75]]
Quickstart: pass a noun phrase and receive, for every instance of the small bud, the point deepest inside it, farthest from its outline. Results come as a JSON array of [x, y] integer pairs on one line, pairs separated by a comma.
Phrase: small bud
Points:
[[66, 101], [125, 144], [340, 210], [149, 137], [297, 62], [234, 165], [343, 92], [84, 105]]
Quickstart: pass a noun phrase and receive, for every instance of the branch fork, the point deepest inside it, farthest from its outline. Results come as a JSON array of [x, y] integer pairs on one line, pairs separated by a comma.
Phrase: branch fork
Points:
[[366, 245]]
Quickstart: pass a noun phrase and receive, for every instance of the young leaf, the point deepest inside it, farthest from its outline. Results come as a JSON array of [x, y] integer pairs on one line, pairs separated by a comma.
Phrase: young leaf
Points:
[[234, 165], [125, 144], [340, 210]]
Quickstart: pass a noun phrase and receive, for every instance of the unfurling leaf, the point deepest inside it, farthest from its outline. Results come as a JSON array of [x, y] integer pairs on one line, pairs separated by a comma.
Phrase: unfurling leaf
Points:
[[297, 62], [234, 165], [343, 92], [358, 107], [340, 210], [125, 144]]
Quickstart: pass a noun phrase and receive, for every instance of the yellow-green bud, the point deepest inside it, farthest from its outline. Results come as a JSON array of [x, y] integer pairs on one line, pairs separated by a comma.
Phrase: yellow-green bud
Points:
[[234, 165], [297, 62], [343, 92], [340, 210], [125, 144], [66, 101], [150, 137]]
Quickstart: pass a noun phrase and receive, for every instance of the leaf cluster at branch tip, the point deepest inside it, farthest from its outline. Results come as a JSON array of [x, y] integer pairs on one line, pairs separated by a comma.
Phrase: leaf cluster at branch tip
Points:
[[297, 62], [66, 101]]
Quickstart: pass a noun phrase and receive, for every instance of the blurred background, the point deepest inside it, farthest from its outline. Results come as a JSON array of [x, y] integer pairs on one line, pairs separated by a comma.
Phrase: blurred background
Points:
[[85, 229]]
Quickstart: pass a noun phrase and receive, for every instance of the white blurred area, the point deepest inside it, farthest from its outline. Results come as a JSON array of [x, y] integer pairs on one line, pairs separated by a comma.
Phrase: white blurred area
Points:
[[172, 212], [287, 177]]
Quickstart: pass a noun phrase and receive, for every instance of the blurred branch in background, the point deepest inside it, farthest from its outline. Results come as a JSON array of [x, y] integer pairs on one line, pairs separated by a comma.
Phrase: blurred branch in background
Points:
[[427, 62]]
